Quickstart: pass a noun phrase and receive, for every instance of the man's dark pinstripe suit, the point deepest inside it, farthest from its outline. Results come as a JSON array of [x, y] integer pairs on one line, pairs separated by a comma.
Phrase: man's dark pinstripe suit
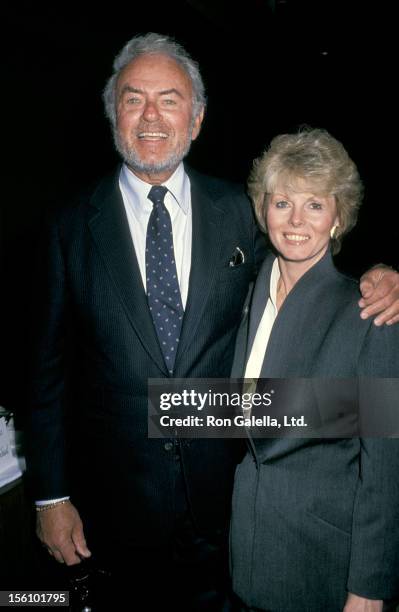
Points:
[[90, 296]]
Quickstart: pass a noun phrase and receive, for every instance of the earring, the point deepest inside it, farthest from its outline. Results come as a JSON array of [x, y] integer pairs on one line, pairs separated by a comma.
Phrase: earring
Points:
[[332, 231]]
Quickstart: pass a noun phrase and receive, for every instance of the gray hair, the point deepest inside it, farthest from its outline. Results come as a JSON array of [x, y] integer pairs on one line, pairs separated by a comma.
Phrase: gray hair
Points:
[[318, 158], [154, 43]]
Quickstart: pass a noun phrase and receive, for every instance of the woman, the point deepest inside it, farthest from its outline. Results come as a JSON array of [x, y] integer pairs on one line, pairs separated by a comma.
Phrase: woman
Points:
[[315, 522]]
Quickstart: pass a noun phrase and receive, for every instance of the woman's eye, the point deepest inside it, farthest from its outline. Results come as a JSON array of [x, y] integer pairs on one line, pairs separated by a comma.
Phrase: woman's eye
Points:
[[315, 206], [281, 204]]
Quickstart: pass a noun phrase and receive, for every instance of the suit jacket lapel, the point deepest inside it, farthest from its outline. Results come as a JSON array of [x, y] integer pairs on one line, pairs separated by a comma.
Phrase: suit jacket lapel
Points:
[[110, 230], [242, 341], [259, 299], [205, 254], [297, 333]]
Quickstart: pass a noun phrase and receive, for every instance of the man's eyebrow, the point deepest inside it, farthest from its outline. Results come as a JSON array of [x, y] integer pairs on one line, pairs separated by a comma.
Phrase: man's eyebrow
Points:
[[167, 92], [163, 92], [130, 89]]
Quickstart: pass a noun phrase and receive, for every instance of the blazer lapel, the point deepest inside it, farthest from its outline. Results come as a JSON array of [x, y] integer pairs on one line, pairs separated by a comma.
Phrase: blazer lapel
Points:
[[110, 231], [298, 331], [242, 339], [259, 299], [205, 254]]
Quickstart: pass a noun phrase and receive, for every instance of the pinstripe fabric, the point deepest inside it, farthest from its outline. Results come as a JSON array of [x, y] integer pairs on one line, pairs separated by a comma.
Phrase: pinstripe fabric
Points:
[[315, 518], [90, 300]]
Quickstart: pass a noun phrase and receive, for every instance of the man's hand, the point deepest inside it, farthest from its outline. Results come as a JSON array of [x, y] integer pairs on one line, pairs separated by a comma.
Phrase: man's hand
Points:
[[61, 531], [380, 291], [355, 603]]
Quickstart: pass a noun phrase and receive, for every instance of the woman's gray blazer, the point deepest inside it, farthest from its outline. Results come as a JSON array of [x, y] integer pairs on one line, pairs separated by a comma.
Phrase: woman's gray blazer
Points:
[[315, 518]]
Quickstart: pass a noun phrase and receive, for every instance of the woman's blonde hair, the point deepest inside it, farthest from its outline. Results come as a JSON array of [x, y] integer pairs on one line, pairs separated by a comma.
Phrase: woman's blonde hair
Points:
[[314, 156]]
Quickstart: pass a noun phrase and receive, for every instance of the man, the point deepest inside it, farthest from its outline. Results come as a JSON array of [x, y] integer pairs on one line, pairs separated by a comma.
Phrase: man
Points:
[[108, 320]]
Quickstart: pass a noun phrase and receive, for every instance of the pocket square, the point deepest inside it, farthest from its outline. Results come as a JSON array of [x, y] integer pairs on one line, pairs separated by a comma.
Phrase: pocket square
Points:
[[237, 258]]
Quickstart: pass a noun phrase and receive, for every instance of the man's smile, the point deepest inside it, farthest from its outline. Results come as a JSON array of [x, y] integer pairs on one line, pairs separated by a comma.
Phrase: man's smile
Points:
[[152, 135]]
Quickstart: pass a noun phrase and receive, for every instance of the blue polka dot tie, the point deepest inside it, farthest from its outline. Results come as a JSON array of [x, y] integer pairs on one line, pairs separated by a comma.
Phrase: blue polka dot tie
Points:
[[163, 292]]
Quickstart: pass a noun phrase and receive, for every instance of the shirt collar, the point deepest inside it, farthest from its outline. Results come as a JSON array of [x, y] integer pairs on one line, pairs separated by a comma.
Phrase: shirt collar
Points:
[[137, 190]]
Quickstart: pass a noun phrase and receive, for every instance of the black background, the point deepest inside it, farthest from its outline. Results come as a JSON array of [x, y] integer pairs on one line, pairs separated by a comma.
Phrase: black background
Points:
[[268, 67]]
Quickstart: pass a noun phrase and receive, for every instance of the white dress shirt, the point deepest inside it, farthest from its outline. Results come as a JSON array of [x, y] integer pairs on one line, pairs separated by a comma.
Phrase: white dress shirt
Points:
[[259, 346], [178, 203], [257, 355]]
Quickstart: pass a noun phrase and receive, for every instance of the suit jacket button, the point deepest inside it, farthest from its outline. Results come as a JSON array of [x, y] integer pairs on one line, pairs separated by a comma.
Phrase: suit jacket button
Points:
[[168, 446]]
